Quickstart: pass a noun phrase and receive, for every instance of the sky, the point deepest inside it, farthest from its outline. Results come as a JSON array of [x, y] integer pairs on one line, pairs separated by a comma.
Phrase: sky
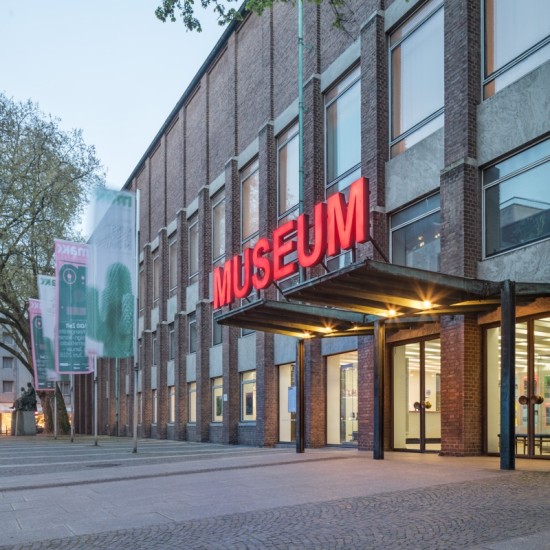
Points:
[[108, 67]]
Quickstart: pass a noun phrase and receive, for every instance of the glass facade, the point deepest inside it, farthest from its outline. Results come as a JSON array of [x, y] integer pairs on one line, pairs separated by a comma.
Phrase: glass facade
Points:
[[517, 40], [343, 132], [516, 201], [417, 98], [248, 396], [416, 235]]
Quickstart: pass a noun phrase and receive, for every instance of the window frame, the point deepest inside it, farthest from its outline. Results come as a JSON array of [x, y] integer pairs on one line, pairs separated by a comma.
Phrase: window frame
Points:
[[217, 384], [251, 169], [156, 280], [244, 382], [335, 183], [172, 266], [513, 174], [192, 226], [171, 404], [487, 79], [154, 406], [192, 335], [291, 132], [217, 200], [437, 5], [192, 400]]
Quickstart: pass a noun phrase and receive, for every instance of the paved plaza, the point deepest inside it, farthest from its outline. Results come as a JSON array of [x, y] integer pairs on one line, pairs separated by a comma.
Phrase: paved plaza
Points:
[[58, 494]]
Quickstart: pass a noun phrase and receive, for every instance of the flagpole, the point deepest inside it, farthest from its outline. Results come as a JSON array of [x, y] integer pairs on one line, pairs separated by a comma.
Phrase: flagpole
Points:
[[55, 412], [136, 313], [95, 400], [72, 408]]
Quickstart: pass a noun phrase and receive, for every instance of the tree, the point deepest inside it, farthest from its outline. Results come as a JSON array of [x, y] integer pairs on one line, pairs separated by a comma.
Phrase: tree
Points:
[[169, 10], [45, 176]]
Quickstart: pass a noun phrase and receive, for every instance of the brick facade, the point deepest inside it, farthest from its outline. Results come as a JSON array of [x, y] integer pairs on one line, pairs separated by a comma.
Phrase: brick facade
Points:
[[232, 113]]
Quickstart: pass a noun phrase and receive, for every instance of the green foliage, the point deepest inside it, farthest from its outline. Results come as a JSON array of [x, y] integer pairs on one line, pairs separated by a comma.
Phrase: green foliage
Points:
[[170, 9], [45, 177]]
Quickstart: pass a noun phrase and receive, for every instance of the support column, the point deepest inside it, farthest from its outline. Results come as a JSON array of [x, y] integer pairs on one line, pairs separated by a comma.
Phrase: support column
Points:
[[300, 398], [379, 367], [507, 375]]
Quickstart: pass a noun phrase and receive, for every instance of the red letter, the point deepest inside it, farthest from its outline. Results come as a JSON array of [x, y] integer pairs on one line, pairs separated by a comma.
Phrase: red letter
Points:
[[244, 273], [282, 246], [223, 288], [306, 258], [263, 276], [349, 225]]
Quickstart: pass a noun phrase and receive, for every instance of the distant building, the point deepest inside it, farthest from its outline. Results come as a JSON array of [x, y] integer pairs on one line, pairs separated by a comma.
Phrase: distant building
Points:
[[444, 108]]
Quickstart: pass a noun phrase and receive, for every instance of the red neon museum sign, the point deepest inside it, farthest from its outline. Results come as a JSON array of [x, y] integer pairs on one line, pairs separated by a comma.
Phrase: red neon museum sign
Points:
[[337, 226]]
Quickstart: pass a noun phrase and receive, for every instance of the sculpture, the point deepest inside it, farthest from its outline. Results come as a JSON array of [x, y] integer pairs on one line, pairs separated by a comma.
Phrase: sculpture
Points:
[[27, 401]]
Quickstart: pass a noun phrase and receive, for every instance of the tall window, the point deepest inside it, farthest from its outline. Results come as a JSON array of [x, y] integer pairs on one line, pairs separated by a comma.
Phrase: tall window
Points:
[[7, 386], [140, 408], [141, 288], [156, 281], [287, 174], [250, 204], [217, 399], [171, 404], [517, 40], [343, 132], [192, 327], [248, 396], [171, 342], [218, 228], [516, 200], [216, 332], [154, 406], [193, 249], [417, 98], [173, 268], [415, 235], [155, 350], [192, 400], [7, 362]]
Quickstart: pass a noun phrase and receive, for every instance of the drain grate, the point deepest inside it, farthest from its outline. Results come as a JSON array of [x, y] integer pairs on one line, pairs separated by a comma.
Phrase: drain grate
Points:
[[106, 465]]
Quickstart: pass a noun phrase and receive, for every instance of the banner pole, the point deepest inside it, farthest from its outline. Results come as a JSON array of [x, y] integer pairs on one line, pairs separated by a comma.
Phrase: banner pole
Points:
[[136, 313], [95, 400], [72, 408], [55, 412], [117, 399]]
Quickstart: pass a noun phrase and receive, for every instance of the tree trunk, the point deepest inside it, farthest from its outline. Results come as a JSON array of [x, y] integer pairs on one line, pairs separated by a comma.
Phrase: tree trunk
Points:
[[47, 400]]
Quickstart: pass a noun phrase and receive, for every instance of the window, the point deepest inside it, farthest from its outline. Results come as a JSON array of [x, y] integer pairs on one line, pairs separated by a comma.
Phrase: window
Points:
[[218, 228], [516, 201], [171, 404], [8, 340], [415, 235], [141, 288], [288, 174], [156, 281], [193, 249], [343, 133], [171, 342], [192, 400], [173, 268], [217, 334], [154, 350], [517, 40], [192, 326], [7, 362], [7, 386], [154, 405], [416, 57], [140, 408], [217, 399], [248, 396], [250, 216]]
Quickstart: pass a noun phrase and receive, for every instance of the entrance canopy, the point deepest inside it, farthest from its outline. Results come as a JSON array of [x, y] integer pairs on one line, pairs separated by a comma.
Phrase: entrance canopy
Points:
[[347, 302]]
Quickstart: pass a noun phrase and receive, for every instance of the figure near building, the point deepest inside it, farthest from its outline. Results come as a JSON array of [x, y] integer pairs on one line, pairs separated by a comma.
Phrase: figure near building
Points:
[[27, 400]]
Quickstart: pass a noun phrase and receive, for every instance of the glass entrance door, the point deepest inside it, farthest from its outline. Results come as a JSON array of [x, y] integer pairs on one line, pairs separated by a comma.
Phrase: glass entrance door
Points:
[[532, 389], [417, 396], [287, 403]]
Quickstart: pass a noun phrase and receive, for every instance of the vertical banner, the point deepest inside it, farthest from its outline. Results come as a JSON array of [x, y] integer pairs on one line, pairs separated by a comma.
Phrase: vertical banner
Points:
[[112, 277], [71, 264], [46, 293], [42, 349]]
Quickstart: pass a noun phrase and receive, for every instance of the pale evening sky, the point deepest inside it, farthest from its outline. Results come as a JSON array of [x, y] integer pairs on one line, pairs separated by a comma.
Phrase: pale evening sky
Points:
[[109, 67]]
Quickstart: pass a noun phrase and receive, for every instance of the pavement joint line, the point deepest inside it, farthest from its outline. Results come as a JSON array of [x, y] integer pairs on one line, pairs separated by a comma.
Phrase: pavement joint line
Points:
[[164, 474]]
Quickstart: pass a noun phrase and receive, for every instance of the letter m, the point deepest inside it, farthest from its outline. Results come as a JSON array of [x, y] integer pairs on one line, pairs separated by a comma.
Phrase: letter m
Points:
[[348, 225], [223, 285]]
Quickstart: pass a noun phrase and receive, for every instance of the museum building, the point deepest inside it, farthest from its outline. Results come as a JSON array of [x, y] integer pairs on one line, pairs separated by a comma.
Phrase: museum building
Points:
[[277, 313]]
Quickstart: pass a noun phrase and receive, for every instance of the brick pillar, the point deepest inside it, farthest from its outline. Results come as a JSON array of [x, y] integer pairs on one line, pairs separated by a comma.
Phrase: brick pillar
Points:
[[365, 382], [316, 395], [204, 393], [461, 387]]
